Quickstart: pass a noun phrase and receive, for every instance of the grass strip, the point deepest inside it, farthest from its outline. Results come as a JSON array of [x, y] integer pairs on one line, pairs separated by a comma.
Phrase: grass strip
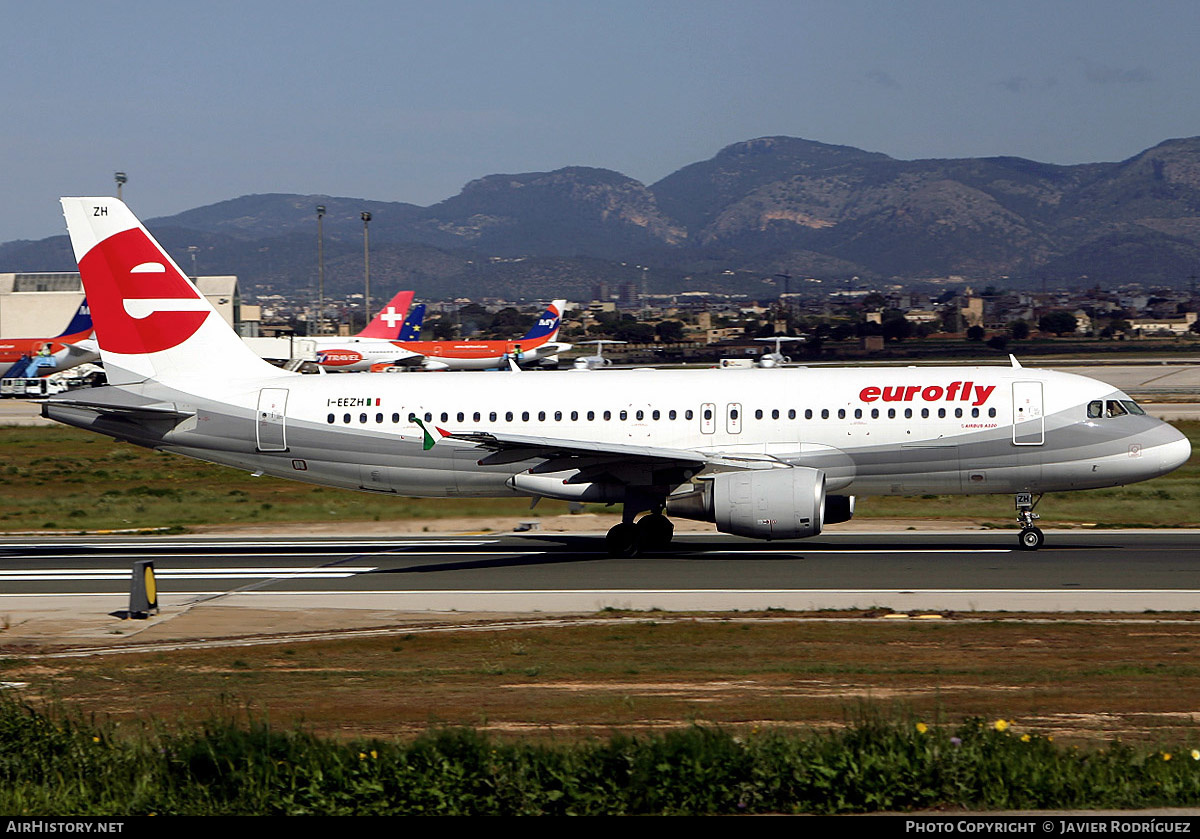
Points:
[[52, 763]]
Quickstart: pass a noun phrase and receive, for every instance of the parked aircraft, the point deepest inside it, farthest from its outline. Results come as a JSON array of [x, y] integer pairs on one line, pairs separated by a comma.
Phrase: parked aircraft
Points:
[[411, 331], [30, 357], [777, 358], [766, 454], [592, 362], [374, 344], [540, 345]]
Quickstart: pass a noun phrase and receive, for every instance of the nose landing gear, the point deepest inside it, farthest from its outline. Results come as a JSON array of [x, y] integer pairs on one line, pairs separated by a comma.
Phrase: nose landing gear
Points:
[[1031, 537]]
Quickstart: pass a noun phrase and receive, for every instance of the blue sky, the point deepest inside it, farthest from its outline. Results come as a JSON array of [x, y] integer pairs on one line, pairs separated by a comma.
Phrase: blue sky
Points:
[[407, 101]]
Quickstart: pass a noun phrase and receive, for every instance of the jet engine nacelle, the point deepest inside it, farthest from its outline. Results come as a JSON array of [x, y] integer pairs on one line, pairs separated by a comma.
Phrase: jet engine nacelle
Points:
[[766, 504]]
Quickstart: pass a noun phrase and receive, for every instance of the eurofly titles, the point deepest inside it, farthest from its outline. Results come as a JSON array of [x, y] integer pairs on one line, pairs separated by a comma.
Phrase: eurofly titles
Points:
[[954, 392]]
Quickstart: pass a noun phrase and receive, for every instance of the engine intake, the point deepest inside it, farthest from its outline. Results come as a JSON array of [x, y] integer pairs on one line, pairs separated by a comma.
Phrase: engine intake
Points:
[[767, 504]]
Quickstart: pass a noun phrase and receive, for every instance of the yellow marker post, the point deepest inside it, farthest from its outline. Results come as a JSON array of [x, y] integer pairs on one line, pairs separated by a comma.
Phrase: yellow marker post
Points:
[[143, 592]]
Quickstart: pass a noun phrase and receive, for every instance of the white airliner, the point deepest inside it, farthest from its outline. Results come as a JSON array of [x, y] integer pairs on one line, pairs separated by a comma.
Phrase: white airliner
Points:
[[772, 454]]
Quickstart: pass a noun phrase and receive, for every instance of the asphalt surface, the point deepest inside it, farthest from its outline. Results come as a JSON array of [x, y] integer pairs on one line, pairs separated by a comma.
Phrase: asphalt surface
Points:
[[67, 589]]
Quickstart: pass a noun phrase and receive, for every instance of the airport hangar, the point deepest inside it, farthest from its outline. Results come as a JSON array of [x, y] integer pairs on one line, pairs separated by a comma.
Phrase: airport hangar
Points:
[[41, 304]]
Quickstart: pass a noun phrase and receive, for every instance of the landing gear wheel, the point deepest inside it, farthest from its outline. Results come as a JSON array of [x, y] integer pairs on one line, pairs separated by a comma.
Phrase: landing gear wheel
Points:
[[622, 539], [654, 532], [1031, 539]]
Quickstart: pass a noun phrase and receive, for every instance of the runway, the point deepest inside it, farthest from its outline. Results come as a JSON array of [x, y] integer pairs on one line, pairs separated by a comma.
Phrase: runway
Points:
[[567, 573]]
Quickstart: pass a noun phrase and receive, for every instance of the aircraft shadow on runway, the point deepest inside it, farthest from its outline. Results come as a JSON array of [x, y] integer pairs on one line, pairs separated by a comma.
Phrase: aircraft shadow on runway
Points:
[[565, 549]]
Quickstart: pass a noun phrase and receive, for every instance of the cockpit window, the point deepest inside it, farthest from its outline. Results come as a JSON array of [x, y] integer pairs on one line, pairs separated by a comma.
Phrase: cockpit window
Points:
[[1095, 409], [1133, 407], [1115, 408]]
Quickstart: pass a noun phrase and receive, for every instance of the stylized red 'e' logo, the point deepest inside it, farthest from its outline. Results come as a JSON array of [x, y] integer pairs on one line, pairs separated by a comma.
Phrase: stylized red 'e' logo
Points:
[[128, 266]]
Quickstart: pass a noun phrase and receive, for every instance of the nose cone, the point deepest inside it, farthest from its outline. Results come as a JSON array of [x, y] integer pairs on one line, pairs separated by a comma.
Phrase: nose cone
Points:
[[1173, 453]]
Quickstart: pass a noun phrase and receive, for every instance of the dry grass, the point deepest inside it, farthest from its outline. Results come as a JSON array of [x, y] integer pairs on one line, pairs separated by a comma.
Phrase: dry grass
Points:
[[66, 479], [1088, 680]]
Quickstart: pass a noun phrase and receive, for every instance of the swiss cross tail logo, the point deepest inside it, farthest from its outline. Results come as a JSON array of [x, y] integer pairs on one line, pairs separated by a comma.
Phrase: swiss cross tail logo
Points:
[[139, 302], [391, 317]]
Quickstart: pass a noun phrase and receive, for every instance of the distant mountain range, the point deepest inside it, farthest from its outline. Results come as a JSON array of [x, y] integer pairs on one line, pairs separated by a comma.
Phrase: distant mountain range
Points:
[[758, 208]]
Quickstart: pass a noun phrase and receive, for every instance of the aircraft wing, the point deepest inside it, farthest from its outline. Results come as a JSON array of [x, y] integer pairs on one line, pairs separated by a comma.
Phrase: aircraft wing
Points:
[[628, 463], [532, 446], [86, 347]]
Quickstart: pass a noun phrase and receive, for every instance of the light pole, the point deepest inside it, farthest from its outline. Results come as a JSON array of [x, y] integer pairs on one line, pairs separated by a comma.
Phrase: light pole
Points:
[[320, 272], [121, 178], [366, 218]]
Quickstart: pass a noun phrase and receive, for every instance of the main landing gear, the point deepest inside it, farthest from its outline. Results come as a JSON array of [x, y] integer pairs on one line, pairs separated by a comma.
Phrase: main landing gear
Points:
[[650, 533], [1031, 537]]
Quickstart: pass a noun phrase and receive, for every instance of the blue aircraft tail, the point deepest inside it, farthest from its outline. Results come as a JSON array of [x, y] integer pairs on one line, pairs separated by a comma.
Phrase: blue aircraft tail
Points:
[[81, 322], [411, 331], [547, 326]]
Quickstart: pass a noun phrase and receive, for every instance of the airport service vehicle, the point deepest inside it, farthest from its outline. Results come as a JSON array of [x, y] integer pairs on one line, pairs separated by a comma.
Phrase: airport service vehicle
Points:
[[770, 454], [35, 386]]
